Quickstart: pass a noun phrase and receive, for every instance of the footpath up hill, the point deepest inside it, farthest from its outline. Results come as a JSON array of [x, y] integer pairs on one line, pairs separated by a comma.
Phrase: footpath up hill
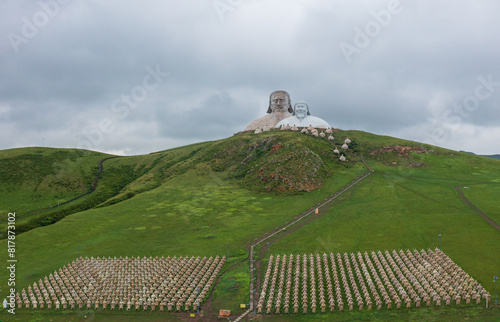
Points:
[[37, 180], [207, 198], [216, 198]]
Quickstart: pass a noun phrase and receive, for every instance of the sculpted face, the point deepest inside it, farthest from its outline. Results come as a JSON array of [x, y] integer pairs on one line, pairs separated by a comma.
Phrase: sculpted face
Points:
[[301, 110], [279, 102]]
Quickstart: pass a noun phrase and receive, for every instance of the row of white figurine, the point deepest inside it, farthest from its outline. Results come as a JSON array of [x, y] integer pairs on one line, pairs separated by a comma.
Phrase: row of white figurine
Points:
[[105, 282], [397, 277]]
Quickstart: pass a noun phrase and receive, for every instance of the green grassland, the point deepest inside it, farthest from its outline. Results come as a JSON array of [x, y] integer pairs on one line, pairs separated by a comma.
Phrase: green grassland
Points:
[[216, 198], [37, 178], [486, 198]]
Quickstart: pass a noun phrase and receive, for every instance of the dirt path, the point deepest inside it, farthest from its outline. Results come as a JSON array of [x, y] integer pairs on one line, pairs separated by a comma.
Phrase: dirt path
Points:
[[93, 184], [207, 307], [300, 221], [479, 212]]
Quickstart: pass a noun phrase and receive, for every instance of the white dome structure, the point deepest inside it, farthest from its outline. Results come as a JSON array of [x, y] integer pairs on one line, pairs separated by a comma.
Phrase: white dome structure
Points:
[[347, 141], [345, 146], [309, 122], [331, 138], [342, 158], [336, 151]]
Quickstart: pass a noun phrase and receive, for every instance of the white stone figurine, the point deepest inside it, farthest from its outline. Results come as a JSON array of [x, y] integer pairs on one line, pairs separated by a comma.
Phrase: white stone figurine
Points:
[[302, 118]]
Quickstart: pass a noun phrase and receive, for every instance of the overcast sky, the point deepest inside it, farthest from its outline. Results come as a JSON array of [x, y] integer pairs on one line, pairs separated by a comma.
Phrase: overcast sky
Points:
[[130, 77]]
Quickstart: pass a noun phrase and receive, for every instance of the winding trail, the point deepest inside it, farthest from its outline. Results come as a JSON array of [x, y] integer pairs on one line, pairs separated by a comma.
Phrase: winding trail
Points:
[[94, 186], [285, 231], [208, 304], [479, 212]]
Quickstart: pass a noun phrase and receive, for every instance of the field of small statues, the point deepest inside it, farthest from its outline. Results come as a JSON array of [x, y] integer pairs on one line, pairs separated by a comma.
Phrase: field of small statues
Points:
[[376, 280], [172, 284]]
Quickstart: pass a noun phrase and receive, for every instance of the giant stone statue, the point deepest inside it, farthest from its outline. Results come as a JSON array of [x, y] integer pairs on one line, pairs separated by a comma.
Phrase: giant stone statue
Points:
[[302, 118], [279, 108]]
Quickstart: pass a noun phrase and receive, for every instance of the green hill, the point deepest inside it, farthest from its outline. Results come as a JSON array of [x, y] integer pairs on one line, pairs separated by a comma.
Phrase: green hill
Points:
[[493, 156], [216, 198], [36, 178]]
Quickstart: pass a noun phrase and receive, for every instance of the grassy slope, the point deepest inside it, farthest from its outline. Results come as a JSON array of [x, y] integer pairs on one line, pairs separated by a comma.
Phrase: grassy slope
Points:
[[34, 178], [198, 210], [407, 207], [485, 197], [494, 156]]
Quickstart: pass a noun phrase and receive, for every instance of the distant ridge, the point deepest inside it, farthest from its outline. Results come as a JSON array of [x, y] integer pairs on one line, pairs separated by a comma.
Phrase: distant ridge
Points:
[[492, 156]]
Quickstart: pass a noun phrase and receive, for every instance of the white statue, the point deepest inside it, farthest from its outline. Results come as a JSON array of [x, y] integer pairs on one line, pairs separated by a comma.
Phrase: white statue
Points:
[[279, 108], [302, 118]]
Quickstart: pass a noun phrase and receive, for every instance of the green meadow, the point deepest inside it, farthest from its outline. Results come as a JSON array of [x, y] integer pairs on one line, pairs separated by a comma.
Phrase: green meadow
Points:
[[39, 178], [486, 198], [217, 198]]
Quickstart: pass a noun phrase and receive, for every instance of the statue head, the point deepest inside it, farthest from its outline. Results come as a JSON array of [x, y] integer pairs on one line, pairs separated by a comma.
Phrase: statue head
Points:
[[279, 101], [301, 110]]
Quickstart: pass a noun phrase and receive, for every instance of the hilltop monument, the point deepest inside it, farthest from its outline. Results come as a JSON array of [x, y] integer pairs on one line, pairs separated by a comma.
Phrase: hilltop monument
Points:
[[302, 118], [279, 108]]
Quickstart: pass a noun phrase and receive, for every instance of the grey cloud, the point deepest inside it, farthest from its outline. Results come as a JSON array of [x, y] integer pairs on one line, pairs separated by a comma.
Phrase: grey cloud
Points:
[[64, 80], [205, 119]]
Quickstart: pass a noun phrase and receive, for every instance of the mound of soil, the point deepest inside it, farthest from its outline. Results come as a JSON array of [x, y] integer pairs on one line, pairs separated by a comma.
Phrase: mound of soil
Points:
[[402, 151]]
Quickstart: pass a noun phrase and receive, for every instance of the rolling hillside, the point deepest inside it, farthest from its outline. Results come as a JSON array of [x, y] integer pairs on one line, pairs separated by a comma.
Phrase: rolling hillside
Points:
[[216, 198], [493, 156]]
